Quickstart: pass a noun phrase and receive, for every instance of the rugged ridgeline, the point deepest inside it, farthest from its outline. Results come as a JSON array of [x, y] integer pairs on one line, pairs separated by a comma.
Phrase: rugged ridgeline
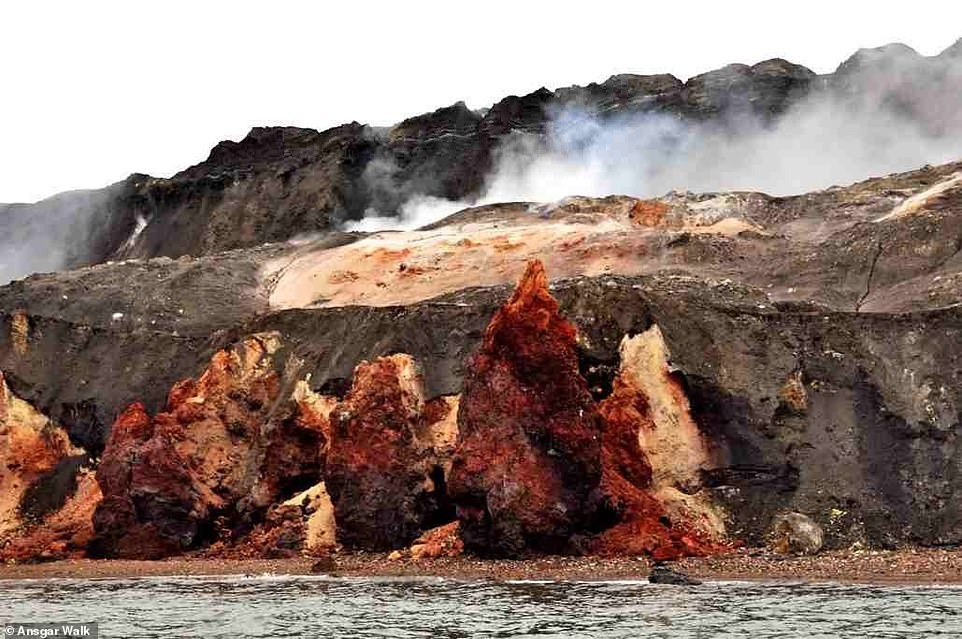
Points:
[[278, 183], [698, 365]]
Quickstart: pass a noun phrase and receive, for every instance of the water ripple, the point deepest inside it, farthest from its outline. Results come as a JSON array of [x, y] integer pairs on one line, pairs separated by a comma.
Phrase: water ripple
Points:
[[270, 606]]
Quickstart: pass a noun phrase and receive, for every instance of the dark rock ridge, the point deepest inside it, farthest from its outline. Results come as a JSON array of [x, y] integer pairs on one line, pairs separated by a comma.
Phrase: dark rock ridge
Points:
[[281, 182]]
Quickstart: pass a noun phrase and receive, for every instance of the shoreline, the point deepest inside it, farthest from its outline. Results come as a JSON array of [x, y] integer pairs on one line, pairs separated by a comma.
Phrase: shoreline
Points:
[[900, 567]]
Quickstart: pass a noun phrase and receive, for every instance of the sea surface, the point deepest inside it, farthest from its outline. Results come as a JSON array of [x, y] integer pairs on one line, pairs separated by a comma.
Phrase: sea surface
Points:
[[275, 606]]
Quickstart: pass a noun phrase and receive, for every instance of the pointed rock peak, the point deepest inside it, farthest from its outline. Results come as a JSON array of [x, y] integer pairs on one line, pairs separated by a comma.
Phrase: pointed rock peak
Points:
[[532, 285], [526, 414], [456, 117], [782, 67], [394, 382], [132, 425], [531, 306]]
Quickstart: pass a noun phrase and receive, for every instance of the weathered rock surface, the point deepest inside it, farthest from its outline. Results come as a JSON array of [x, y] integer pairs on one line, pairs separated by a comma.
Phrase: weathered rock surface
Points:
[[528, 459], [226, 449], [386, 481], [795, 534], [443, 541], [63, 533], [47, 490], [654, 459], [38, 465]]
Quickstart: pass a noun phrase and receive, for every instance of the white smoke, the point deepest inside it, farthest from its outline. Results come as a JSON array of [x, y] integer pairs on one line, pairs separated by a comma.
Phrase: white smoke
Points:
[[52, 234], [881, 117], [417, 211]]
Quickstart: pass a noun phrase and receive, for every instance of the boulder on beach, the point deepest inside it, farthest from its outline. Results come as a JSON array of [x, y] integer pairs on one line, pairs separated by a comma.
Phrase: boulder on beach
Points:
[[796, 534]]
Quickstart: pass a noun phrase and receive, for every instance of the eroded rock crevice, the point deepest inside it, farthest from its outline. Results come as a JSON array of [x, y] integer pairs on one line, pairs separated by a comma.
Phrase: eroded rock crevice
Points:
[[655, 460]]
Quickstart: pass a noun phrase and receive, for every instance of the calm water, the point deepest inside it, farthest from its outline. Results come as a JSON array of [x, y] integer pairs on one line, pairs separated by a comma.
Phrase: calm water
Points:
[[353, 607]]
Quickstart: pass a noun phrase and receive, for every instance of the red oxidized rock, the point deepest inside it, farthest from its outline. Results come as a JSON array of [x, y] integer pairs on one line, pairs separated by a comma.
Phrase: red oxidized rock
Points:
[[443, 541], [652, 491], [281, 535], [226, 448], [62, 534], [528, 460], [39, 474], [642, 526], [384, 478]]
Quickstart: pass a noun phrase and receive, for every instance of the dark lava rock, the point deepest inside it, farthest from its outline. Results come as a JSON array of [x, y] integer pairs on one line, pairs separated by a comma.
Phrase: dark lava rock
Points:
[[765, 89], [379, 474], [274, 184], [663, 574]]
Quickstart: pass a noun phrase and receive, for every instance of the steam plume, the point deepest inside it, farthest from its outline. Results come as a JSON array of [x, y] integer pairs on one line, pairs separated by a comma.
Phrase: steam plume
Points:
[[885, 110]]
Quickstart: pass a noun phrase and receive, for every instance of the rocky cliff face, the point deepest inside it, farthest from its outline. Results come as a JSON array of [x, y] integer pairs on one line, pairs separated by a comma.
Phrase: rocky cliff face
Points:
[[696, 365], [227, 447], [800, 340], [47, 490]]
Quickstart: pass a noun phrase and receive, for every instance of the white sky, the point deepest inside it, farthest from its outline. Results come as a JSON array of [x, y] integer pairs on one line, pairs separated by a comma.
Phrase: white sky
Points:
[[92, 91]]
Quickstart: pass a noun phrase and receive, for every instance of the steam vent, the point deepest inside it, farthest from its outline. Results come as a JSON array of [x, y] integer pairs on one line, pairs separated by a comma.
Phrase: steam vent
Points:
[[377, 341]]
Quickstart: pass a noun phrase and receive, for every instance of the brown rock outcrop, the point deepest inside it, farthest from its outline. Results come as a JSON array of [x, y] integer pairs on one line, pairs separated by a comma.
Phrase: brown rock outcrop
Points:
[[443, 541], [46, 496], [302, 525], [282, 534], [653, 453], [385, 467], [528, 460], [227, 447], [540, 467], [64, 533], [31, 447]]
